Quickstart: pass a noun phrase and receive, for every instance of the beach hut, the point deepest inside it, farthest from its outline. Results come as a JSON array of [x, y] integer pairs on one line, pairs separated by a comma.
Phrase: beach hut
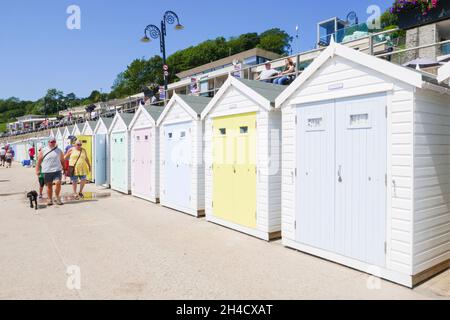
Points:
[[366, 163], [86, 137], [77, 129], [102, 151], [145, 153], [52, 133], [120, 152], [242, 155], [60, 137], [181, 155], [67, 133]]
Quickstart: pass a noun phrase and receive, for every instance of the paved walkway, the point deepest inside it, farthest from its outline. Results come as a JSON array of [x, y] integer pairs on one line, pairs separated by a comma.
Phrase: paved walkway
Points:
[[126, 248]]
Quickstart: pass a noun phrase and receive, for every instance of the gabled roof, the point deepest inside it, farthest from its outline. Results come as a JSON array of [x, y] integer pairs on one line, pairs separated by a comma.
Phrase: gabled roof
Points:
[[263, 93], [104, 121], [444, 72], [127, 118], [151, 111], [154, 112], [193, 105], [385, 67], [89, 124], [70, 129]]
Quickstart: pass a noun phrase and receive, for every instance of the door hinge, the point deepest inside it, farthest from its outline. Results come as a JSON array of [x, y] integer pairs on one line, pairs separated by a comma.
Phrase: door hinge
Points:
[[386, 112], [385, 247], [385, 179], [296, 172], [295, 225], [295, 119], [212, 204]]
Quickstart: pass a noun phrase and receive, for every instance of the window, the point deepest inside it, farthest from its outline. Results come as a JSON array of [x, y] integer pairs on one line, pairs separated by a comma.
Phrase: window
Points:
[[170, 135], [315, 123], [243, 130], [183, 134], [138, 138], [146, 138], [223, 131], [359, 121]]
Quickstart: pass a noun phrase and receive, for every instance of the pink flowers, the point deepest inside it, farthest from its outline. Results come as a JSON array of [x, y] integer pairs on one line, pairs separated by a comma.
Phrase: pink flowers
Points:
[[424, 6]]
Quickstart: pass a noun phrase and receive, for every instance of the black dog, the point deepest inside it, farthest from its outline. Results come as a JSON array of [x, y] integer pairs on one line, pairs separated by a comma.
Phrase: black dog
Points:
[[33, 196]]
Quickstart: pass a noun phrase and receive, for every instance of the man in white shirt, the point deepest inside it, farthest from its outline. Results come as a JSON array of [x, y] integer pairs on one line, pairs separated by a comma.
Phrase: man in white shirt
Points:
[[268, 74]]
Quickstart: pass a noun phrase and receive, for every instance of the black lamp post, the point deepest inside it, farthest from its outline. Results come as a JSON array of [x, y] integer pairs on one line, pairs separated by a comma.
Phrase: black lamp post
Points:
[[154, 32]]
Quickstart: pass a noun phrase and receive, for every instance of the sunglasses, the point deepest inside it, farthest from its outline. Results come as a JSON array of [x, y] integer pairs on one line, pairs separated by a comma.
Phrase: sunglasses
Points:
[[52, 142]]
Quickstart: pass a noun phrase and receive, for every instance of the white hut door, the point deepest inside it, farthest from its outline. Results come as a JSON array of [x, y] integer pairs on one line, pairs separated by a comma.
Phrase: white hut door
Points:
[[315, 175], [361, 166], [178, 164]]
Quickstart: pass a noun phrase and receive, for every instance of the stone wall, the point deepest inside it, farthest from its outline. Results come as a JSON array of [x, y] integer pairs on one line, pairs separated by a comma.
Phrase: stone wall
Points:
[[421, 36]]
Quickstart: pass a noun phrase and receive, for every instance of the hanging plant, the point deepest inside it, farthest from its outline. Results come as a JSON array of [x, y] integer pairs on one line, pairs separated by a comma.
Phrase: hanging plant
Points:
[[403, 6]]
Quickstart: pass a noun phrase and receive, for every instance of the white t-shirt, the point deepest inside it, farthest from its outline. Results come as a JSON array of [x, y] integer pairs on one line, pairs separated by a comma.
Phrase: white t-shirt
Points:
[[267, 74], [2, 152]]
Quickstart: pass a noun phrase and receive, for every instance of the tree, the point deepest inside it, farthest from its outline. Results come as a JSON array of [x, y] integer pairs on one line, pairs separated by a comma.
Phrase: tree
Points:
[[275, 40], [53, 102]]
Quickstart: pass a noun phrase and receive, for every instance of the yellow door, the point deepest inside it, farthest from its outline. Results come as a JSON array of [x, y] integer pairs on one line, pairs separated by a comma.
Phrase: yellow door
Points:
[[87, 145], [234, 169]]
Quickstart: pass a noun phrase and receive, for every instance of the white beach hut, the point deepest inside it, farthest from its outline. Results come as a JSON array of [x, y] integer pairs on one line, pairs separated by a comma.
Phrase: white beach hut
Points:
[[145, 153], [181, 155], [242, 155], [366, 166], [120, 152], [102, 152]]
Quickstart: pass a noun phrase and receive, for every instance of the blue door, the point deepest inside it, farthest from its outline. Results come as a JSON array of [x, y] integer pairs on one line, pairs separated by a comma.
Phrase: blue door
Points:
[[100, 159], [178, 157]]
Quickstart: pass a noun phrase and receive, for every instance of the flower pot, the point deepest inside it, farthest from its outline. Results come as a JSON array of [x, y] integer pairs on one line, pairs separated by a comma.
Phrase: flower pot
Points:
[[415, 18]]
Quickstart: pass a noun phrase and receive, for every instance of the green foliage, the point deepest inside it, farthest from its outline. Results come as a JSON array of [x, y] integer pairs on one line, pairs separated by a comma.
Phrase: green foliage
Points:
[[388, 19]]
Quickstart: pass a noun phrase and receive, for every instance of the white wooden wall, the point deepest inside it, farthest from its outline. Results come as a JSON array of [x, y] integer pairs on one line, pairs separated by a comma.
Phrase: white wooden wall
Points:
[[176, 115], [431, 180], [268, 196], [354, 77]]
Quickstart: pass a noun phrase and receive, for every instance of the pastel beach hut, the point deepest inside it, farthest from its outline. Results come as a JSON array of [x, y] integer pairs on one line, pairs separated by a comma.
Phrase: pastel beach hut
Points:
[[181, 155], [60, 137], [86, 137], [366, 163], [145, 153], [120, 148], [243, 158], [102, 161]]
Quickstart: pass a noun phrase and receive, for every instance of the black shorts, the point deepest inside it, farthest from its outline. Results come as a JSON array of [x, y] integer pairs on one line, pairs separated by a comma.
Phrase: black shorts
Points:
[[31, 158], [8, 160], [2, 158], [52, 177]]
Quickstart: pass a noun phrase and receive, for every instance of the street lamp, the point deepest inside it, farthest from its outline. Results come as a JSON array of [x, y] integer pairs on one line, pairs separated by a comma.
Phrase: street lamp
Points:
[[152, 31]]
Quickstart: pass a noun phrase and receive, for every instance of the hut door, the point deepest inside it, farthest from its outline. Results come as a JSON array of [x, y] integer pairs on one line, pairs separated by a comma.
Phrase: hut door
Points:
[[315, 175], [100, 159], [118, 161], [361, 162], [142, 163], [87, 145], [178, 164], [341, 177], [234, 169]]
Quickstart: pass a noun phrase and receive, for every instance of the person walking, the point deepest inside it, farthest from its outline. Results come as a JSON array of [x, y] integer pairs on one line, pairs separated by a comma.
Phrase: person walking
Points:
[[79, 167], [9, 157], [51, 161], [2, 156], [32, 154]]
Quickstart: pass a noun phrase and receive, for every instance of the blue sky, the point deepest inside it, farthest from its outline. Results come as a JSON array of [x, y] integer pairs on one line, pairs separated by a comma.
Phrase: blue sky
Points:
[[38, 52]]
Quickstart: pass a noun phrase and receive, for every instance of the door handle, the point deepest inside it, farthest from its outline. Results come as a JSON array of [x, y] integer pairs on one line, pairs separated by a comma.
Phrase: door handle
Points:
[[234, 169], [340, 174]]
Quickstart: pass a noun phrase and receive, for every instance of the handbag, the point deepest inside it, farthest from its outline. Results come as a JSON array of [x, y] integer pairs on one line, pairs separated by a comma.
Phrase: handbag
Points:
[[71, 170]]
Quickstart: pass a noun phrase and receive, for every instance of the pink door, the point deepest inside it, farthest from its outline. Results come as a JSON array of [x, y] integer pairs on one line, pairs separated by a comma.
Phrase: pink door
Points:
[[143, 185]]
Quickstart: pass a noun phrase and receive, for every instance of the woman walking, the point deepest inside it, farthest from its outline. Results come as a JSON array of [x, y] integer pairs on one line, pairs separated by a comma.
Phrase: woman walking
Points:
[[79, 167]]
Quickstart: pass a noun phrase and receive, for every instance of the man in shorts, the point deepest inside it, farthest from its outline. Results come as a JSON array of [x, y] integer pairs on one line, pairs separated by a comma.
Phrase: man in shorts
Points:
[[50, 163]]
